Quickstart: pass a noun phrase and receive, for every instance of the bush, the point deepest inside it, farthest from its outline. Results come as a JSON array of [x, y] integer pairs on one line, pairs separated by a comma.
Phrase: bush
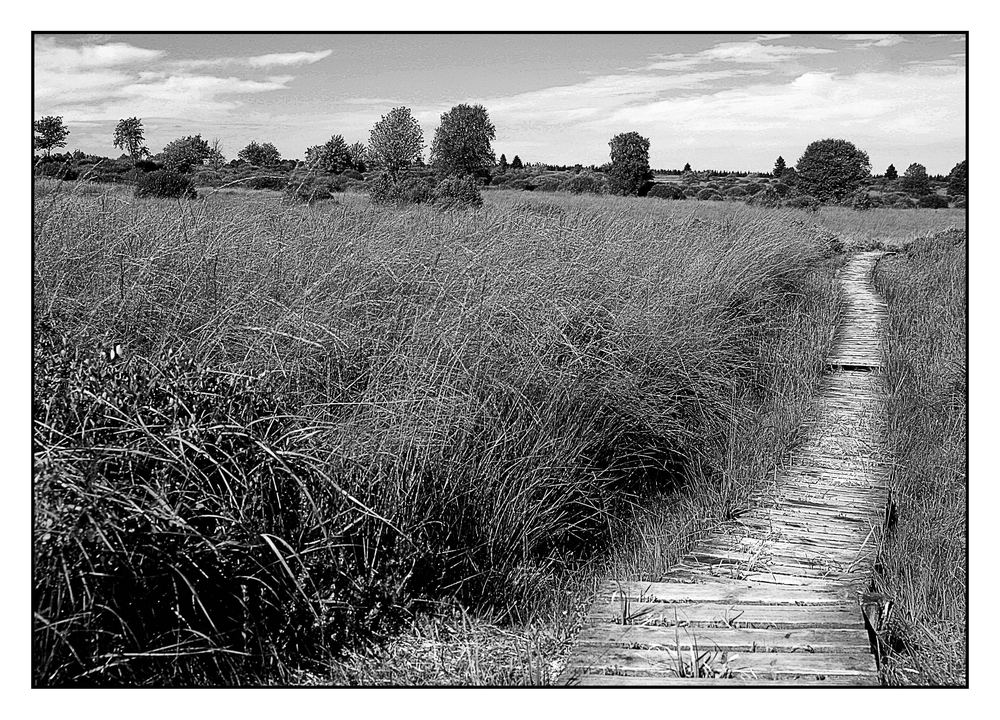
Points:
[[666, 191], [549, 183], [830, 242], [586, 182], [932, 201], [164, 183], [707, 194], [961, 202], [456, 192], [753, 188], [309, 187], [863, 201], [410, 189], [766, 197], [781, 188], [803, 202], [58, 170], [736, 191]]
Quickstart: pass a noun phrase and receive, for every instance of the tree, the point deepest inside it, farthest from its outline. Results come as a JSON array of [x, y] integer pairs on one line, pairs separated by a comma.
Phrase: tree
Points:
[[333, 158], [49, 133], [215, 157], [182, 154], [502, 165], [359, 156], [915, 180], [516, 163], [396, 141], [890, 172], [958, 179], [779, 166], [629, 169], [687, 168], [832, 170], [260, 154], [463, 142], [130, 139]]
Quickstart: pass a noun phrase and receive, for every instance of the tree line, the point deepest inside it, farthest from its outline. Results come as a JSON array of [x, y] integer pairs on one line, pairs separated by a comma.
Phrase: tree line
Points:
[[831, 170]]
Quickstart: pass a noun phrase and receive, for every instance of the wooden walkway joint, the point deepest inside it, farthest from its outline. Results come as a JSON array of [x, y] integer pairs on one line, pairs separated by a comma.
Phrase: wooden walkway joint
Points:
[[775, 597]]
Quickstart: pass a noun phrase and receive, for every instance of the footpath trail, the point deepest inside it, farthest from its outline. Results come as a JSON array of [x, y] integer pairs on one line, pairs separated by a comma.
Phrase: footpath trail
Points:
[[776, 596]]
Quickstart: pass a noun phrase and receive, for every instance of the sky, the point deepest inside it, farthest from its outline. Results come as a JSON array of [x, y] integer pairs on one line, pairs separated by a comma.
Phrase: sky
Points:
[[716, 101]]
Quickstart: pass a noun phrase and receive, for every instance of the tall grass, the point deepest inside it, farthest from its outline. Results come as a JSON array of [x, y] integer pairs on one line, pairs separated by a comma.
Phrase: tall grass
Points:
[[328, 416], [923, 562]]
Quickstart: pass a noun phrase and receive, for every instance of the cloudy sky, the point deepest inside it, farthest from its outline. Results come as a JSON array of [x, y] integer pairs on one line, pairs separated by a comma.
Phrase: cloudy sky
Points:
[[716, 101]]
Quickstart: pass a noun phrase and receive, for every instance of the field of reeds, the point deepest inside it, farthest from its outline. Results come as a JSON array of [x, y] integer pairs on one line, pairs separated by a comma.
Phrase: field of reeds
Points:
[[327, 421], [922, 565]]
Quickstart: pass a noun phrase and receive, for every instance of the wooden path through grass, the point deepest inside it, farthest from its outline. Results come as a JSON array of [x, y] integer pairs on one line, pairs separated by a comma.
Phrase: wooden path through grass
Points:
[[774, 597]]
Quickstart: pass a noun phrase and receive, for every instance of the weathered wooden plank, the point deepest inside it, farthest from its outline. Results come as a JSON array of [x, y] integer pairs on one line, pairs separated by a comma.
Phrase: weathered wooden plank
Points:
[[735, 592], [636, 661], [853, 640], [592, 680], [765, 616]]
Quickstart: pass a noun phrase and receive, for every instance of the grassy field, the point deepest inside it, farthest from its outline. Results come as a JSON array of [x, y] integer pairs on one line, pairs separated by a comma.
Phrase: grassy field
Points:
[[922, 565], [338, 425]]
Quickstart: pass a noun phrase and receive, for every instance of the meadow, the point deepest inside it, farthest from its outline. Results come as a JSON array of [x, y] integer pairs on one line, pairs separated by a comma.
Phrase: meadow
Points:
[[360, 445]]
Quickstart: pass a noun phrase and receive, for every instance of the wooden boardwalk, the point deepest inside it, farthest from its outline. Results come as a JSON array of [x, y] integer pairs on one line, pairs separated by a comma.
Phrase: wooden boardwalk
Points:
[[774, 597]]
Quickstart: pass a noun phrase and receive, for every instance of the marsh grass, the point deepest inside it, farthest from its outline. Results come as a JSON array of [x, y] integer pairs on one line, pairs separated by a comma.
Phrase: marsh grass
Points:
[[922, 564], [331, 418]]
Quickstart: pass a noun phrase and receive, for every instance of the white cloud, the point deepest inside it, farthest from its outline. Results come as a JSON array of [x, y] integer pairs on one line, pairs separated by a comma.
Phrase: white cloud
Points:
[[50, 56], [748, 52], [288, 59], [867, 40]]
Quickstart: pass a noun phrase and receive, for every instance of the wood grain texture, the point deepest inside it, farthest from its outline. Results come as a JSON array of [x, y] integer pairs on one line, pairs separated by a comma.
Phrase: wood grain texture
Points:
[[774, 596]]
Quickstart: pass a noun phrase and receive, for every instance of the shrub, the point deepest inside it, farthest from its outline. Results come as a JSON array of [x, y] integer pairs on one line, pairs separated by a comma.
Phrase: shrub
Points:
[[862, 201], [457, 192], [766, 197], [932, 201], [549, 183], [666, 191], [310, 187], [164, 183], [753, 188], [409, 189], [58, 170], [803, 202], [961, 202], [707, 194], [781, 188], [736, 191], [586, 182], [830, 242]]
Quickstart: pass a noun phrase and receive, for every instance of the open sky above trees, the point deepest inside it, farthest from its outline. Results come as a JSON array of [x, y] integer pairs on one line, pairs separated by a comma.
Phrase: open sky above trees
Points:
[[715, 101]]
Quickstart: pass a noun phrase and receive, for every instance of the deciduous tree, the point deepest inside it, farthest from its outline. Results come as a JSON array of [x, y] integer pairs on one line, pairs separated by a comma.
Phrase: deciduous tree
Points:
[[629, 169], [333, 157], [50, 132], [396, 141], [832, 170], [129, 137], [260, 154], [463, 142], [915, 180], [182, 154], [958, 179]]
